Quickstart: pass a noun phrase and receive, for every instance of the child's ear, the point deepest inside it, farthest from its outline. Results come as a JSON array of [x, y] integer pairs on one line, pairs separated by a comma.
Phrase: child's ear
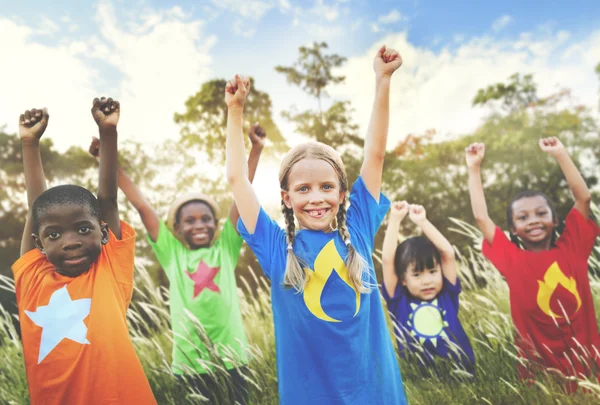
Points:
[[342, 196], [285, 196], [105, 234], [177, 228], [38, 243], [404, 282]]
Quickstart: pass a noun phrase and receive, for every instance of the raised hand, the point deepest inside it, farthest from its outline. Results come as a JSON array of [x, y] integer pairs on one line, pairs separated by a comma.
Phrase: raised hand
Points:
[[32, 124], [94, 148], [236, 91], [417, 214], [257, 135], [475, 153], [106, 112], [552, 146], [386, 62], [399, 210]]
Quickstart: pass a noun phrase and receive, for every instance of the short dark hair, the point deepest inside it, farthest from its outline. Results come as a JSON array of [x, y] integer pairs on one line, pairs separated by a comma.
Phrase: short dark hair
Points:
[[417, 251], [528, 194], [63, 195]]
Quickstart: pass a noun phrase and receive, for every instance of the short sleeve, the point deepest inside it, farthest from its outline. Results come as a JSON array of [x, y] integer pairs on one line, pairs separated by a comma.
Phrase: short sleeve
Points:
[[166, 248], [502, 253], [267, 242], [398, 293], [230, 243], [365, 214], [120, 253], [579, 234]]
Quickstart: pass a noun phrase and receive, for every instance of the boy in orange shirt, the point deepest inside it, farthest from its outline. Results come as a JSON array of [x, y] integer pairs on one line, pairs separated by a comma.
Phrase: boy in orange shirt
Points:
[[74, 289]]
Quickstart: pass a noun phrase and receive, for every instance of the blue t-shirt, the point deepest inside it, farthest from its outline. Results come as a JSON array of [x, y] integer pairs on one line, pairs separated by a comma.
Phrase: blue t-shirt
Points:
[[333, 346], [432, 325]]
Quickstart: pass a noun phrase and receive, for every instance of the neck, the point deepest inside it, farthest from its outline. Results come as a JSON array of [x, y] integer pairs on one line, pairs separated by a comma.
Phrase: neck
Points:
[[539, 246]]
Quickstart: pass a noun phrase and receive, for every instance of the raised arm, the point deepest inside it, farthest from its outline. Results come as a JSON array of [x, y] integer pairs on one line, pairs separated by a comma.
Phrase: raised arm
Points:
[[244, 197], [32, 125], [385, 64], [390, 243], [106, 114], [135, 196], [475, 153], [257, 136], [581, 193], [418, 215]]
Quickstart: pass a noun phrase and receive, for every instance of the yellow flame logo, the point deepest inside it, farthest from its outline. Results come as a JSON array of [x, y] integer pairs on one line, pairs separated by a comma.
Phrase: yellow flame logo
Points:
[[553, 277], [328, 260]]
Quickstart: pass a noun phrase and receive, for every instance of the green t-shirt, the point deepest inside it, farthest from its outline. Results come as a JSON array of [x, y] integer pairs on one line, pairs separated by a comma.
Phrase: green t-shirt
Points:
[[203, 283]]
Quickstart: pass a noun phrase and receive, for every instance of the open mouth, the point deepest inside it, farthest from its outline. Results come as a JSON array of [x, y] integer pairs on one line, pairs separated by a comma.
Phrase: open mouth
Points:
[[320, 213], [535, 232]]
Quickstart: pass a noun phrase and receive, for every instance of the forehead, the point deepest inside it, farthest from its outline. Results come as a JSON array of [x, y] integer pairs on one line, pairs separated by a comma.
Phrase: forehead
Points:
[[64, 215], [195, 208], [530, 203], [312, 170]]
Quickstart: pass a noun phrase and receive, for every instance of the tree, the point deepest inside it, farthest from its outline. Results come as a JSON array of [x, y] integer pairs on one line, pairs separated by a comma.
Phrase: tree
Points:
[[205, 119], [434, 173], [312, 72]]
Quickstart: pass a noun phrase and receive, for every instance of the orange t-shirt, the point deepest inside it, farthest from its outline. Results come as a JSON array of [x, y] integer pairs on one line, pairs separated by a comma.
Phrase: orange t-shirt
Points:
[[75, 339]]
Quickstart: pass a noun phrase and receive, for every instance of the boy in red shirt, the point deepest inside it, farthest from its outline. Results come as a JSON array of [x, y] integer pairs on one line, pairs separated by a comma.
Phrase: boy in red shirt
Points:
[[74, 289], [550, 296]]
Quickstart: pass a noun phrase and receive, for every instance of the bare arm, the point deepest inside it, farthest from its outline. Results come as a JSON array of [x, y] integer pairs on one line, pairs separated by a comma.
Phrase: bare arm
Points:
[[390, 244], [386, 62], [257, 137], [443, 246], [106, 114], [580, 190], [135, 196], [32, 125], [475, 153], [237, 168]]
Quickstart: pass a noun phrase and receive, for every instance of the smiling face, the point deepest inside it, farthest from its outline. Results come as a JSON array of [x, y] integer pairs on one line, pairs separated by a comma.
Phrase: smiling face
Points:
[[313, 193], [425, 284], [196, 223], [70, 237], [533, 222]]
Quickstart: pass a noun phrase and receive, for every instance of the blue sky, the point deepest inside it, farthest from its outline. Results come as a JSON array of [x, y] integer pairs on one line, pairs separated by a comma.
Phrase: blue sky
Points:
[[63, 53]]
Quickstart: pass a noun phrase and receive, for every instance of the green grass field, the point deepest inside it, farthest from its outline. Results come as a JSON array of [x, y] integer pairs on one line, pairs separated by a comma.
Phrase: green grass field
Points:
[[484, 314]]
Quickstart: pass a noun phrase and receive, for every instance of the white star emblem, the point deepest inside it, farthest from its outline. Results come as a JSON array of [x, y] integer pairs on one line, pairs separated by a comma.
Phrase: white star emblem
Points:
[[61, 318]]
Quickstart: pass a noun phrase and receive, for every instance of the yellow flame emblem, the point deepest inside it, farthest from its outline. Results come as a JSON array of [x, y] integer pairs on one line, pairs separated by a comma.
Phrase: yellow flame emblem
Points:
[[328, 260], [553, 277]]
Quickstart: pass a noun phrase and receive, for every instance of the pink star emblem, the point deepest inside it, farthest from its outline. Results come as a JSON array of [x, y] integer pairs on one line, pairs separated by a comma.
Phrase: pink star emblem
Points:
[[204, 277]]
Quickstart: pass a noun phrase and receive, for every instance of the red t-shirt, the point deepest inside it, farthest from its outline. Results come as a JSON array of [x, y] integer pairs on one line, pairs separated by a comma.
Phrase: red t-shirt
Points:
[[550, 297], [75, 339]]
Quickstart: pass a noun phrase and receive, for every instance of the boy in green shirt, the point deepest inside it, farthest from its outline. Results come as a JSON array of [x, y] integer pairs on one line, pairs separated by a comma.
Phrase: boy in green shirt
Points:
[[201, 275]]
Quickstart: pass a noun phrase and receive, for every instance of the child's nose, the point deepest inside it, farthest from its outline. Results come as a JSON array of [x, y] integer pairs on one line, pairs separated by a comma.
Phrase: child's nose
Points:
[[71, 243], [316, 197]]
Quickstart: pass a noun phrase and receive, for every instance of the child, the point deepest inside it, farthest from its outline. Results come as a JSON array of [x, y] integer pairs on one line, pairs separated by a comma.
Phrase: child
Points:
[[332, 342], [201, 275], [424, 304], [550, 297], [74, 289]]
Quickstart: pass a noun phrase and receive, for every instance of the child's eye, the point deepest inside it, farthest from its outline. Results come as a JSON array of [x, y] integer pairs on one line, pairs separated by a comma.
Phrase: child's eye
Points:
[[207, 219], [303, 189], [53, 235], [84, 230], [189, 221], [416, 275], [521, 217], [327, 187], [542, 213]]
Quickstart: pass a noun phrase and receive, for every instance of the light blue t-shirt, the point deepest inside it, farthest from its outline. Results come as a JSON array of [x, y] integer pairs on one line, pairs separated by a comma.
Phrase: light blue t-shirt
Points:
[[333, 346]]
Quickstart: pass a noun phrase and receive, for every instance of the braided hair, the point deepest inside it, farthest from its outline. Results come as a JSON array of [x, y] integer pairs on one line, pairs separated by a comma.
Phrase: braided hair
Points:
[[294, 275]]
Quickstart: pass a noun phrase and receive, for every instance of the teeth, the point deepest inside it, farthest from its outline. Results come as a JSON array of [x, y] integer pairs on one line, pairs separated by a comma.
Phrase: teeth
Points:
[[316, 213]]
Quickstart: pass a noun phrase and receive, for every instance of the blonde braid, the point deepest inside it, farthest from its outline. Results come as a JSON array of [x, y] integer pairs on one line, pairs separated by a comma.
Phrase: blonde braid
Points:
[[294, 274], [355, 263]]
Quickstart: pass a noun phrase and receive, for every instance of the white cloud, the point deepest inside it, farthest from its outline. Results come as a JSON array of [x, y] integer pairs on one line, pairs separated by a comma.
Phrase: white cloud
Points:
[[328, 13], [47, 27], [153, 70], [501, 23], [374, 28], [391, 17], [241, 28], [251, 9], [436, 89]]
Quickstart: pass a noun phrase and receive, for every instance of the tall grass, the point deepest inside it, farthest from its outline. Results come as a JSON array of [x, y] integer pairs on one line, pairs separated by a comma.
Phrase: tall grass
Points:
[[485, 315]]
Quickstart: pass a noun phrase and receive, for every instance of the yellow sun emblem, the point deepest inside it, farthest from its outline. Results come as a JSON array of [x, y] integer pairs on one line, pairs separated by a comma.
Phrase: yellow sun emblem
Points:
[[426, 322]]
